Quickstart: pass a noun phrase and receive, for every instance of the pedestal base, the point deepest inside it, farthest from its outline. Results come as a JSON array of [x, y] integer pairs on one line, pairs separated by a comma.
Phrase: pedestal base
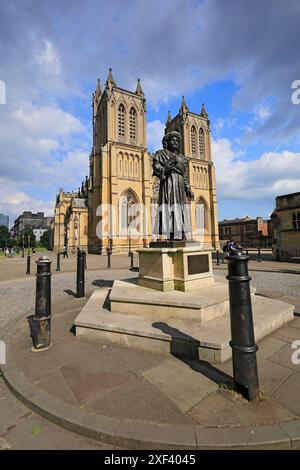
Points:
[[183, 268]]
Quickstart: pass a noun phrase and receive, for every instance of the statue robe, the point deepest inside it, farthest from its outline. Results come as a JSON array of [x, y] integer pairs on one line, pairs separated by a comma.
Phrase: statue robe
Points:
[[172, 191]]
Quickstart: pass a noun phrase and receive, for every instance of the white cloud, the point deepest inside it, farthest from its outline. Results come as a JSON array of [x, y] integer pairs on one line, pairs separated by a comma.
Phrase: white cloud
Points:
[[272, 174], [155, 133], [13, 201], [46, 119], [47, 57]]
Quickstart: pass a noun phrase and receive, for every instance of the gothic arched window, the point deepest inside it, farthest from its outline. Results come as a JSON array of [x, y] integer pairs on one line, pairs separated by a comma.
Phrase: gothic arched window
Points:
[[201, 144], [121, 121], [201, 216], [129, 213], [193, 140], [132, 124]]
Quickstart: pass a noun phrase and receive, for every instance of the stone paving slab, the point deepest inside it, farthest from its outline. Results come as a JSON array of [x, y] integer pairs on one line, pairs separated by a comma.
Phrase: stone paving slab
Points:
[[181, 384], [117, 389]]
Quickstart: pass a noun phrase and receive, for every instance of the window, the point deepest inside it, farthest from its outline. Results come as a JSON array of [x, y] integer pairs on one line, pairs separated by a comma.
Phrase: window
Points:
[[128, 212], [132, 124], [296, 220], [201, 143], [201, 217], [193, 140], [121, 121]]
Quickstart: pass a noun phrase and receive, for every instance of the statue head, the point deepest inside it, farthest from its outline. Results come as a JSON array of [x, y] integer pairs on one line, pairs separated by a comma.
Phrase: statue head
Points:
[[173, 140]]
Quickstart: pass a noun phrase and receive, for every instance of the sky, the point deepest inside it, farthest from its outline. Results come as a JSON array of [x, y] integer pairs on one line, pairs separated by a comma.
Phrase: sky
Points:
[[239, 57]]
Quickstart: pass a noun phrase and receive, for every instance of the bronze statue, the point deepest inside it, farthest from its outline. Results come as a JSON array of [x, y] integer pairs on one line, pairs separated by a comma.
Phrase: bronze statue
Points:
[[171, 169]]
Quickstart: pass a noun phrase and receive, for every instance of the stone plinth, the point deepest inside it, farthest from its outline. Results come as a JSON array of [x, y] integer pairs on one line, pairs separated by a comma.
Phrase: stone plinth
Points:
[[167, 333], [183, 266]]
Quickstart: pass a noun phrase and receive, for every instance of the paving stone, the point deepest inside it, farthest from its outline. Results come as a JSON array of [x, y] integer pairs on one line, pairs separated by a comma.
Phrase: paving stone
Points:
[[269, 345], [180, 383], [292, 429], [36, 433], [288, 394], [58, 387], [139, 400], [258, 437], [88, 382], [227, 409], [35, 366], [287, 333], [270, 375], [283, 357]]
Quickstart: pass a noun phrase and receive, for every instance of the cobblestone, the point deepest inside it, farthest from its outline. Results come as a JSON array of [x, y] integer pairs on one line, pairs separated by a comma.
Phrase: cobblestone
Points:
[[18, 297]]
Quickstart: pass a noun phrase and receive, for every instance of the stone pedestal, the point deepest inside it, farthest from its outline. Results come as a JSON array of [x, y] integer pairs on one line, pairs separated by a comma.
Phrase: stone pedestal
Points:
[[175, 266]]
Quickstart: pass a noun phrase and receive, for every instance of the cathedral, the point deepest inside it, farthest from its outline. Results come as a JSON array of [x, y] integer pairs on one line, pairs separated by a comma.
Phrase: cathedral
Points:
[[115, 206]]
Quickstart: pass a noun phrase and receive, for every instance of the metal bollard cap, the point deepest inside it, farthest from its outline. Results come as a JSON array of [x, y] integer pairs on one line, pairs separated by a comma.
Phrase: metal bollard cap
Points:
[[43, 259], [237, 255]]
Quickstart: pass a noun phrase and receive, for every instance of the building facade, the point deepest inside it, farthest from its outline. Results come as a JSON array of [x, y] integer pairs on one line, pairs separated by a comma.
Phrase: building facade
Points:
[[121, 194], [247, 232], [4, 220], [30, 220], [71, 220], [286, 227]]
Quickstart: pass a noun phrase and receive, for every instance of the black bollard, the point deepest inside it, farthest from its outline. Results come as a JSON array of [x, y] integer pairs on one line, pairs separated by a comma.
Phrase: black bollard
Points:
[[28, 265], [218, 259], [80, 273], [131, 260], [242, 331], [108, 259], [258, 255], [247, 252], [85, 267], [40, 322], [58, 262]]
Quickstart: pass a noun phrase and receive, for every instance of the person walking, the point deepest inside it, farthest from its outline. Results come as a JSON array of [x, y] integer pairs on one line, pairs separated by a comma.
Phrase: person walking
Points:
[[65, 252]]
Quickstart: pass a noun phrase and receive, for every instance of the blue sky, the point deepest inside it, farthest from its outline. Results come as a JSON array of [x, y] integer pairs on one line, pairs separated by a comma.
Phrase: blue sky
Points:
[[239, 57]]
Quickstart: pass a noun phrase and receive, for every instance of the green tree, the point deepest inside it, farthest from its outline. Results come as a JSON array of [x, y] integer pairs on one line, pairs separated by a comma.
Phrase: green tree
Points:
[[4, 236], [28, 232], [45, 240]]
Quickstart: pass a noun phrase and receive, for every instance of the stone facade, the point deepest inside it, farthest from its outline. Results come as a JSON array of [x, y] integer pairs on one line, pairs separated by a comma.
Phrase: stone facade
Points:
[[120, 186], [247, 232], [29, 220], [71, 221], [286, 227]]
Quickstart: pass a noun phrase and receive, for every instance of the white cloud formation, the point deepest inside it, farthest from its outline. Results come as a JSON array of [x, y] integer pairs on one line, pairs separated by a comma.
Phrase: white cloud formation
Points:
[[14, 201], [155, 132], [47, 57], [272, 174]]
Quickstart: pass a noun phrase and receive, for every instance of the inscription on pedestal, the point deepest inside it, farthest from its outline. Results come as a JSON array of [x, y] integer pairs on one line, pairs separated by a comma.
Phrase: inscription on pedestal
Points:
[[197, 264]]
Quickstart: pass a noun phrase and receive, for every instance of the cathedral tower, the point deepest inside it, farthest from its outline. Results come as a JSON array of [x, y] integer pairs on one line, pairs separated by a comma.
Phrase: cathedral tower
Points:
[[120, 167]]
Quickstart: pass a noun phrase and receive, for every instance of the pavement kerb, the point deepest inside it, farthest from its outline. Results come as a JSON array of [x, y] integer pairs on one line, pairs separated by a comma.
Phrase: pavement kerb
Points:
[[143, 434]]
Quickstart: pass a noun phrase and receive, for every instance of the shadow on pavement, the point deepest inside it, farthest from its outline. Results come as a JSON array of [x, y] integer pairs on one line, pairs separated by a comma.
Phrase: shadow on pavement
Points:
[[185, 348], [70, 292]]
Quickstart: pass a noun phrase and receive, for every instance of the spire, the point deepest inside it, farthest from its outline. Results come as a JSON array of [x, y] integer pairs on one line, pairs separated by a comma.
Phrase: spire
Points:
[[169, 119], [139, 89], [203, 112], [110, 82], [184, 107], [98, 89]]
